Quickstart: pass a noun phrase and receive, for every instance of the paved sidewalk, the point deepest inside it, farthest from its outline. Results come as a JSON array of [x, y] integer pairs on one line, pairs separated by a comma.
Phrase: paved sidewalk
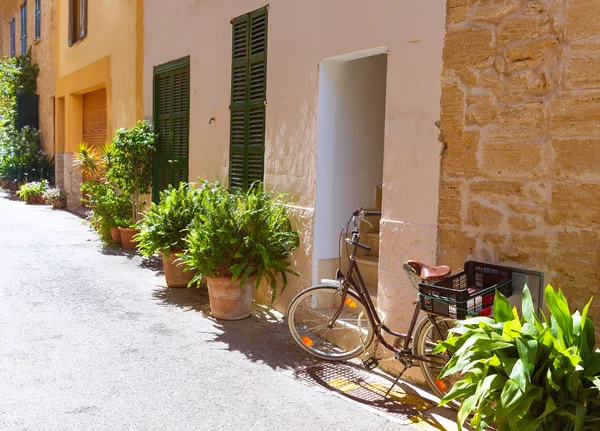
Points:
[[90, 339]]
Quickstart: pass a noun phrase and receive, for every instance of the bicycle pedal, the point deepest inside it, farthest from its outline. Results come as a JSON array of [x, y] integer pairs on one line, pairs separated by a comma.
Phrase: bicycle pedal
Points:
[[371, 363]]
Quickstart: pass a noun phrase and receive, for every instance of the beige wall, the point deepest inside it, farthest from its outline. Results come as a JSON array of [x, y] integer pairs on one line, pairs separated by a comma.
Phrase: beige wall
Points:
[[301, 34], [43, 53], [520, 115]]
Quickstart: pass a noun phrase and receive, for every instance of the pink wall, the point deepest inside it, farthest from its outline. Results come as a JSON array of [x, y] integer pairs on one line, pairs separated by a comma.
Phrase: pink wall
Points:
[[301, 34]]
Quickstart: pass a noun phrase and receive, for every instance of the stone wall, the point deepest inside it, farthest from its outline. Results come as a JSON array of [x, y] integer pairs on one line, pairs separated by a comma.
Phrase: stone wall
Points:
[[520, 124]]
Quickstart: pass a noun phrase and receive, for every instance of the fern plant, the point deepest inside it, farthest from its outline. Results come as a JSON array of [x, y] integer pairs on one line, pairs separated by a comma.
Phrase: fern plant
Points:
[[164, 227], [241, 235]]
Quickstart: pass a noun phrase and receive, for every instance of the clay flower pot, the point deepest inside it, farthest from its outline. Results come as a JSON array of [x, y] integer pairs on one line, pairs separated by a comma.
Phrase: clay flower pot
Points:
[[174, 271], [40, 199], [227, 300], [127, 234], [115, 235], [31, 200]]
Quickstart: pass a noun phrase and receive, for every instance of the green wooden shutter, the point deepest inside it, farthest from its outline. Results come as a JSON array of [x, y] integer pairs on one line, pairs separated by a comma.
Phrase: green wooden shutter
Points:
[[248, 99], [171, 123]]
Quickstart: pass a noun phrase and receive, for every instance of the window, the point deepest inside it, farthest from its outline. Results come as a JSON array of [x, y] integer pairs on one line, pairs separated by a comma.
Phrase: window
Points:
[[24, 28], [77, 20], [38, 20], [13, 42], [248, 99]]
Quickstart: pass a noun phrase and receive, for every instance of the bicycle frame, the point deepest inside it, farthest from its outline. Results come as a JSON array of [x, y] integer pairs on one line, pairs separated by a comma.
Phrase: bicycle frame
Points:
[[354, 279]]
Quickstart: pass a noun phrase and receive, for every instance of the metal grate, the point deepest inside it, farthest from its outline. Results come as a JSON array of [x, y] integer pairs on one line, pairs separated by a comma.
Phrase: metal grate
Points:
[[360, 386]]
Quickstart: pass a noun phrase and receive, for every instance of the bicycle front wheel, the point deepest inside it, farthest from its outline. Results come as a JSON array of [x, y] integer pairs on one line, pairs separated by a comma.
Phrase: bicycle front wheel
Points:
[[428, 336], [310, 323]]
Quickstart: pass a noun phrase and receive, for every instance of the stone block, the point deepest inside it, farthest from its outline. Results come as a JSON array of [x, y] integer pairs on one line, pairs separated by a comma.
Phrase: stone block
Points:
[[576, 158], [512, 131], [575, 114], [576, 263], [537, 8], [456, 11], [582, 19], [468, 47], [493, 10], [484, 217], [452, 110], [583, 70], [524, 223], [575, 204], [460, 156], [450, 203], [530, 53], [513, 159], [529, 114], [494, 239], [527, 208], [455, 247], [526, 250], [480, 110], [503, 189], [521, 28]]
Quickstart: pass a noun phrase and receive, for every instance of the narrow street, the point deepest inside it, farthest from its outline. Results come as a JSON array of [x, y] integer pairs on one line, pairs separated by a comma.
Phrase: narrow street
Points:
[[90, 339]]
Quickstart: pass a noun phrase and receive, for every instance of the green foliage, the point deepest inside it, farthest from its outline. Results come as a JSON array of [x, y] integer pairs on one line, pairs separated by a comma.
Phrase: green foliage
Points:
[[21, 159], [527, 374], [241, 235], [56, 197], [131, 163], [165, 225], [109, 208], [32, 189]]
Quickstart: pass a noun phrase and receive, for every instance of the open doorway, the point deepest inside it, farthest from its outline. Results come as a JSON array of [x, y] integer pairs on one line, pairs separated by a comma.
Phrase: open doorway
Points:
[[351, 126]]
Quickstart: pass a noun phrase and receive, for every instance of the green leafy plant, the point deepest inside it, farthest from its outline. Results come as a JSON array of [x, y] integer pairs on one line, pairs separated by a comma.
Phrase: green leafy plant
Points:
[[109, 208], [56, 197], [131, 163], [32, 190], [241, 235], [523, 373], [164, 226]]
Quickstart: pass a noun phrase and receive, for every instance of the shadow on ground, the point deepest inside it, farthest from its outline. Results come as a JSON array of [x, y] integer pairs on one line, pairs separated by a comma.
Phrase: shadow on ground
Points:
[[262, 337]]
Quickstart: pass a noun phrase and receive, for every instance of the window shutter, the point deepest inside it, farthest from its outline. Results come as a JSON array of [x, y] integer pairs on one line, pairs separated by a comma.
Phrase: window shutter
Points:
[[248, 98], [13, 44], [82, 19], [24, 28], [38, 20], [71, 22]]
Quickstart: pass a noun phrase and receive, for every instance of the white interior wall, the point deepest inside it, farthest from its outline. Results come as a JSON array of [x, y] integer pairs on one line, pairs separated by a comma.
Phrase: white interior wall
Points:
[[351, 125]]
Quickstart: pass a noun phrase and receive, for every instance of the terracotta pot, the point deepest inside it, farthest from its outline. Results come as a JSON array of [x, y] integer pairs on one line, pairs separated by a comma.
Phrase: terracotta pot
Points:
[[127, 237], [227, 300], [174, 271], [31, 200], [40, 199], [115, 235], [14, 186]]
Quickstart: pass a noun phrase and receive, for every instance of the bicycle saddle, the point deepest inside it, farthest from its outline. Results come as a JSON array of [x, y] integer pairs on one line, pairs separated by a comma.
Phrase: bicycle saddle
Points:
[[427, 272]]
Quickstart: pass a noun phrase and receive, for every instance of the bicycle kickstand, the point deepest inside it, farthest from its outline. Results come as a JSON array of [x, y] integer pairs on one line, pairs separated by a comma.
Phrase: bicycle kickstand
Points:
[[395, 381]]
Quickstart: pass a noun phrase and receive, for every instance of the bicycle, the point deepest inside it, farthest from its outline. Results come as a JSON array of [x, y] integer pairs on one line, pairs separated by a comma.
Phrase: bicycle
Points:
[[337, 320]]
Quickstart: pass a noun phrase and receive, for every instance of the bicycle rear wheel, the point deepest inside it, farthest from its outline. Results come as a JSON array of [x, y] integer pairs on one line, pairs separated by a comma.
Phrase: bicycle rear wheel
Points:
[[309, 322], [428, 336]]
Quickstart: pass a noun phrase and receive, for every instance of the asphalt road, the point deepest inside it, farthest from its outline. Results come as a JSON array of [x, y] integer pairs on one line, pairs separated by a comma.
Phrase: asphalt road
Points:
[[90, 339]]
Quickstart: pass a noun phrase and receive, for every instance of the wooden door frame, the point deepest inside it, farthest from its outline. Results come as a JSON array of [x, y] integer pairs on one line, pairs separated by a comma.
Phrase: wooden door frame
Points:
[[180, 63]]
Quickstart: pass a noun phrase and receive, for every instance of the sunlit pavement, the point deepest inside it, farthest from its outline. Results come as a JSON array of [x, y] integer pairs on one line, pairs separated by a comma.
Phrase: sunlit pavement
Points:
[[91, 339]]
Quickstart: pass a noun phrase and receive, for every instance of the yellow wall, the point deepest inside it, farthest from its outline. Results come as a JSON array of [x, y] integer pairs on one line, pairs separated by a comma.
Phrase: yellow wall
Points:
[[107, 57], [43, 53]]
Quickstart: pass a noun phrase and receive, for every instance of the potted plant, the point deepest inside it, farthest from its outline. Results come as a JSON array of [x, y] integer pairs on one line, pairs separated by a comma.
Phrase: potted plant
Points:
[[56, 197], [131, 170], [31, 192], [523, 373], [109, 208], [164, 227], [236, 241]]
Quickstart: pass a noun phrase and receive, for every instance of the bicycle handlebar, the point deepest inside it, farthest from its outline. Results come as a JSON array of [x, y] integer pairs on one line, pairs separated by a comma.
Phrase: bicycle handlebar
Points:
[[358, 244]]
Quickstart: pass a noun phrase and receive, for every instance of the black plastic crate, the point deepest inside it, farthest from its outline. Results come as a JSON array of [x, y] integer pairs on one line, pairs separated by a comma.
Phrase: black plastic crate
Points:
[[468, 292]]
